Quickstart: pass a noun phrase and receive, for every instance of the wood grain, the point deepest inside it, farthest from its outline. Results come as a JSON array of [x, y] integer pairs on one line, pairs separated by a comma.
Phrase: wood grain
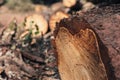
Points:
[[78, 51]]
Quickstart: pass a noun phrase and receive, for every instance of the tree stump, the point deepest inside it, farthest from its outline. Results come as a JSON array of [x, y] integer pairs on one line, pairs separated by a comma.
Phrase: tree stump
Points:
[[55, 18], [79, 51]]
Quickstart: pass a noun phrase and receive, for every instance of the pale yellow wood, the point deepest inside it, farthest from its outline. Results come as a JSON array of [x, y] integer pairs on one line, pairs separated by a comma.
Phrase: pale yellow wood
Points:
[[78, 56]]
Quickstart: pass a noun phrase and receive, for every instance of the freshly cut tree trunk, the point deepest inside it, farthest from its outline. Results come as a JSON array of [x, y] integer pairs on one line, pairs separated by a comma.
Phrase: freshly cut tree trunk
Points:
[[78, 51], [69, 3], [55, 18]]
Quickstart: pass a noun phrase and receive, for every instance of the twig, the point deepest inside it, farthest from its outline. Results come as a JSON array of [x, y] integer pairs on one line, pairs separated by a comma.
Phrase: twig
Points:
[[47, 35], [32, 57]]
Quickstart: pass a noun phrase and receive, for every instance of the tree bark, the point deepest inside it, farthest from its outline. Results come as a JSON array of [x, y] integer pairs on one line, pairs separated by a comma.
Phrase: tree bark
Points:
[[81, 55]]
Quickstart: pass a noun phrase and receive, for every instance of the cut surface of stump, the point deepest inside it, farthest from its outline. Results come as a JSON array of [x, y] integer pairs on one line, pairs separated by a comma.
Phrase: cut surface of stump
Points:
[[78, 51], [56, 17], [69, 3], [37, 24]]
